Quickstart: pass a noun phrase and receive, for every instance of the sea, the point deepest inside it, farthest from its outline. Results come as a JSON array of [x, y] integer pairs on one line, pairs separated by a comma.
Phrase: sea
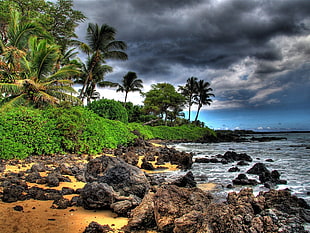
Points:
[[290, 156]]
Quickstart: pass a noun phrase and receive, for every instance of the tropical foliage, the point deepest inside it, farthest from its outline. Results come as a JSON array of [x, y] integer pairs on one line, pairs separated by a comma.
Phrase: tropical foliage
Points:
[[101, 45], [164, 101], [109, 109], [27, 71], [130, 83], [39, 65]]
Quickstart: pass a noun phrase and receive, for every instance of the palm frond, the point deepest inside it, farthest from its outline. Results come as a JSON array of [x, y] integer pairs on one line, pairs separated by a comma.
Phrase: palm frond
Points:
[[13, 101], [10, 88], [67, 71]]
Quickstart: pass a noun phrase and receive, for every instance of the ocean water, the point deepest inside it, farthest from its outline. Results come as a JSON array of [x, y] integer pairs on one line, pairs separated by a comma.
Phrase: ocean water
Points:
[[291, 158]]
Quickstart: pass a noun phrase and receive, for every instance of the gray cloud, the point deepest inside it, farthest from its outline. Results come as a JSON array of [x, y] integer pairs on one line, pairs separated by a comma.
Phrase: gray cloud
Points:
[[250, 51]]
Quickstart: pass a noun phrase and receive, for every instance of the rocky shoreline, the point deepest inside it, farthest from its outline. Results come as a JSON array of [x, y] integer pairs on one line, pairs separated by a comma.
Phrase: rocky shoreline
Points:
[[117, 181]]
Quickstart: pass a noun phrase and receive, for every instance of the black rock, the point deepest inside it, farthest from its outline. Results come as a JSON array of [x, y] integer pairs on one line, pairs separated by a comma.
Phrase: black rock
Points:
[[202, 160], [233, 169], [187, 181], [18, 208], [242, 163], [97, 196], [242, 179], [147, 165], [258, 169], [38, 167], [52, 180]]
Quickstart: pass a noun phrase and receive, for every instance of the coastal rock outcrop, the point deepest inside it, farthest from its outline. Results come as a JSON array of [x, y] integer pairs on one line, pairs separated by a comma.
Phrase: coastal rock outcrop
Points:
[[269, 179], [175, 209]]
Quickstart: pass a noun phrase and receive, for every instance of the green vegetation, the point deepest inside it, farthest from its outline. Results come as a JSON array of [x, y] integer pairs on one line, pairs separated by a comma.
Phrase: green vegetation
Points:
[[109, 109], [40, 111], [164, 101], [130, 83], [26, 131], [184, 132]]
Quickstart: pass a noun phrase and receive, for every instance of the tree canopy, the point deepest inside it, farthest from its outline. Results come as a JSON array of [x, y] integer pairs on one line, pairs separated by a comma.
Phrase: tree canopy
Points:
[[162, 100]]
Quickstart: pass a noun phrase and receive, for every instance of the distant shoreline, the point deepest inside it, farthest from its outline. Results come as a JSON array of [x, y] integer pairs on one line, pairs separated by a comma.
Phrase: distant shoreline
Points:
[[279, 132]]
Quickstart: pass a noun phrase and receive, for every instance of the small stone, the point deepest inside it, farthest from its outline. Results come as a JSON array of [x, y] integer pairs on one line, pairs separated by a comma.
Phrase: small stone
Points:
[[18, 208]]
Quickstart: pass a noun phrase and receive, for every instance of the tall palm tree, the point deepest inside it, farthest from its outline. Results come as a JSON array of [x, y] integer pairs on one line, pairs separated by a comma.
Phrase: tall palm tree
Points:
[[130, 83], [189, 91], [39, 83], [203, 95], [98, 76], [101, 46]]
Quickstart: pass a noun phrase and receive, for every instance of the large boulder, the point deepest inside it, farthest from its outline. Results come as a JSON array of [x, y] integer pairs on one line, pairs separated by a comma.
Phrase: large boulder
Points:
[[97, 196], [231, 156], [121, 176], [172, 202]]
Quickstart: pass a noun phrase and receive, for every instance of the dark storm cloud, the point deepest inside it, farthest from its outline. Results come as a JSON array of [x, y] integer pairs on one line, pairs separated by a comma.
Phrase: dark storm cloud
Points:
[[197, 32], [247, 49]]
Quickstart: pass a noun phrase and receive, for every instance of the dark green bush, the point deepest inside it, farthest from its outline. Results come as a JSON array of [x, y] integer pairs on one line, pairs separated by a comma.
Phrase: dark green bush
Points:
[[109, 109]]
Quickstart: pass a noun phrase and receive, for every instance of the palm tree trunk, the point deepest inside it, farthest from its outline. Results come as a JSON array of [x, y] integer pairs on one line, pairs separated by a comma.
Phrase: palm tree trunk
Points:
[[126, 93], [198, 110], [189, 113]]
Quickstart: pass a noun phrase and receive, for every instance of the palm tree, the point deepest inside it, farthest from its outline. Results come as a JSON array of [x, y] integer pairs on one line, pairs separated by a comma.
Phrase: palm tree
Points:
[[130, 83], [189, 91], [101, 45], [203, 95], [98, 76], [14, 44], [39, 83]]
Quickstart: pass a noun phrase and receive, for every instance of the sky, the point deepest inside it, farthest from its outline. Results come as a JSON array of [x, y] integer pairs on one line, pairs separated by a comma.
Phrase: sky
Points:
[[254, 53]]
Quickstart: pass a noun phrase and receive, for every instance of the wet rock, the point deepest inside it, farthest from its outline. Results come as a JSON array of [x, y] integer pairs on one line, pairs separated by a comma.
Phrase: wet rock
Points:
[[124, 178], [202, 160], [242, 163], [232, 156], [242, 179], [97, 196], [269, 160], [95, 227], [258, 169], [188, 181], [182, 159], [233, 169]]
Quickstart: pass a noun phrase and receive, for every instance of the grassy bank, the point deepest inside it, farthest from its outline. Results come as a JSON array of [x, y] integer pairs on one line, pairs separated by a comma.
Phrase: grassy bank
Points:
[[27, 131]]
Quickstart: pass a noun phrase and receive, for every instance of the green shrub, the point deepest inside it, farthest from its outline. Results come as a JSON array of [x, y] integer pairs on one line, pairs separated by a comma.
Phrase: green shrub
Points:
[[83, 131], [188, 132], [24, 131], [109, 109]]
